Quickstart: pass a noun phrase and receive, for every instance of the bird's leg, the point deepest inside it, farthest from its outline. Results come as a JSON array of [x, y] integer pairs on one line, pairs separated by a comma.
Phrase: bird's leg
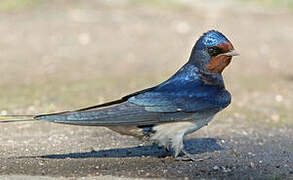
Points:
[[177, 144]]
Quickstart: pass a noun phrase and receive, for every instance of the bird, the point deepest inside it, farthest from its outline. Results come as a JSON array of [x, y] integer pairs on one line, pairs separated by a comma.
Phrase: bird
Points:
[[165, 113]]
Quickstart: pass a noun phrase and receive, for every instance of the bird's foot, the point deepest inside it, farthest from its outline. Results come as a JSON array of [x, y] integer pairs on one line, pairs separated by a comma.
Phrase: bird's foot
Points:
[[189, 157]]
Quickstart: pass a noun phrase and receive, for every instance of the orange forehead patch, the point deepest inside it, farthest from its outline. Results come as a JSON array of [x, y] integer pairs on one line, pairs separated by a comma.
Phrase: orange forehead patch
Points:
[[226, 46]]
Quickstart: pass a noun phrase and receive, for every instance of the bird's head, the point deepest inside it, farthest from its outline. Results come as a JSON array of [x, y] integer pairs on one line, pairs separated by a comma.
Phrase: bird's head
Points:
[[212, 52]]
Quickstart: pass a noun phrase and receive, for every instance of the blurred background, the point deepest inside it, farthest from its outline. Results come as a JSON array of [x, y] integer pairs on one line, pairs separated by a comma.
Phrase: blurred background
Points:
[[64, 54]]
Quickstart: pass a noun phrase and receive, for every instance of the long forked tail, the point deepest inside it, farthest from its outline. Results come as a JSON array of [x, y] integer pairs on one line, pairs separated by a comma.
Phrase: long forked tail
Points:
[[16, 118]]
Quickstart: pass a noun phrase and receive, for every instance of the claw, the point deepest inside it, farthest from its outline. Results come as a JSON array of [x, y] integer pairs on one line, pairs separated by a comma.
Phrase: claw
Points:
[[167, 148], [189, 157]]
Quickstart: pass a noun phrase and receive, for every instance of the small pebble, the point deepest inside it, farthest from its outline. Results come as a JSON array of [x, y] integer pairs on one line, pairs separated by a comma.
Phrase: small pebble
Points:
[[225, 170], [244, 133], [216, 168]]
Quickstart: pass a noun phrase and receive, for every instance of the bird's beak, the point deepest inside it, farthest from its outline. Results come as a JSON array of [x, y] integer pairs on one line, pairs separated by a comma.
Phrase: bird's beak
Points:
[[232, 53]]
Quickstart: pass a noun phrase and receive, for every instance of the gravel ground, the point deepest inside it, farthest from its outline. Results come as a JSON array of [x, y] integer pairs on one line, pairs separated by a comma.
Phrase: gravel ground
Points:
[[70, 54]]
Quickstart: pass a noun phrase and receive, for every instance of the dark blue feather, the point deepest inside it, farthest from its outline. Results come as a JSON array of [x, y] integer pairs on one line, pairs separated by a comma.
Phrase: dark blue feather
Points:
[[185, 91], [210, 39]]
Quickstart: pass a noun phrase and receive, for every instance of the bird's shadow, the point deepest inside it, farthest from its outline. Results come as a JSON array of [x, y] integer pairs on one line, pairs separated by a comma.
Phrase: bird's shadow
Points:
[[193, 146]]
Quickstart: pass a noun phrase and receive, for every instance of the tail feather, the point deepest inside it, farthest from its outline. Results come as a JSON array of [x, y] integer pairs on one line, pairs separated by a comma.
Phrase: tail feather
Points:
[[16, 118], [120, 114]]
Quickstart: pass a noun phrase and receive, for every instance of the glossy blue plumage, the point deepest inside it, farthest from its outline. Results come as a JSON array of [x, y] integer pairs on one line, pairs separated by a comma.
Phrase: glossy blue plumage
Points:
[[185, 91], [188, 90], [191, 90], [210, 39]]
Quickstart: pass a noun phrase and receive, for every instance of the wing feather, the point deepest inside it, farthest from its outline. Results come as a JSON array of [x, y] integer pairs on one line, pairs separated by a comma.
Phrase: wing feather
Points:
[[121, 114]]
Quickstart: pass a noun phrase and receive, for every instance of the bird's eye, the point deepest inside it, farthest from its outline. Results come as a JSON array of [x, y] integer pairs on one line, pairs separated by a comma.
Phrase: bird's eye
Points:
[[214, 51]]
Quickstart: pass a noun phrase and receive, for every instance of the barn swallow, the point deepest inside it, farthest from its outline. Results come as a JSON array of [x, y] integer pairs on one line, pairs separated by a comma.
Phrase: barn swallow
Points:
[[167, 112]]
